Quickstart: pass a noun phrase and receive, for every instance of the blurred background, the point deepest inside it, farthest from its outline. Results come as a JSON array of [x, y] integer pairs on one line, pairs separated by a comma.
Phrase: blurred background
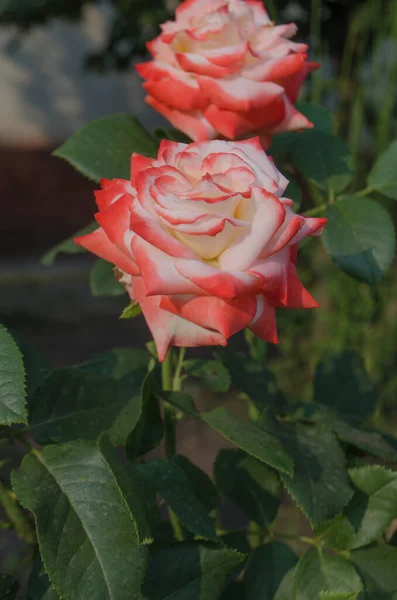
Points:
[[64, 63]]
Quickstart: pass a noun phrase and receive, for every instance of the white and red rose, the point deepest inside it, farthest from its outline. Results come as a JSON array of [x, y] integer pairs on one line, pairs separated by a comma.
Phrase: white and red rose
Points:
[[223, 69], [205, 241]]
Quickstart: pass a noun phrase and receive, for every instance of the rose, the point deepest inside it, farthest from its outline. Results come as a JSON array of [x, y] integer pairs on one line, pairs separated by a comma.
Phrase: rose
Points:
[[222, 68], [204, 241]]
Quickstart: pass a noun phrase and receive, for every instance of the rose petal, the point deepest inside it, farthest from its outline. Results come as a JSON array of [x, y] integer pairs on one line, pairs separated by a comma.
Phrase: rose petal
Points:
[[159, 272], [275, 69], [176, 94], [197, 63], [226, 316], [115, 220], [193, 123], [171, 330], [151, 230], [217, 282], [267, 218], [296, 295], [264, 324], [98, 243], [111, 191], [138, 164], [238, 93]]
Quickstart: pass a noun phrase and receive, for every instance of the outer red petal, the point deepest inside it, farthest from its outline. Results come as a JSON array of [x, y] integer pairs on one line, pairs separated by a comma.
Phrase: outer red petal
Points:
[[111, 191], [226, 316], [168, 329], [99, 243], [192, 123], [239, 93], [293, 84], [284, 236], [176, 94], [296, 295], [159, 272], [138, 164], [229, 123], [223, 284], [115, 220], [276, 69], [264, 323]]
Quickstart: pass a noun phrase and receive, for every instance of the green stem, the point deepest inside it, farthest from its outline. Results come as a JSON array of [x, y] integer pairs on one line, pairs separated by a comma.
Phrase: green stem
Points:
[[169, 380], [166, 371], [15, 514], [256, 533], [364, 192], [176, 381]]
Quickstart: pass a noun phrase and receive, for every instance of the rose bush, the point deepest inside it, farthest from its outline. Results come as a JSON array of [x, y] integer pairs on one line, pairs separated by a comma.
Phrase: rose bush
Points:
[[222, 68], [204, 241]]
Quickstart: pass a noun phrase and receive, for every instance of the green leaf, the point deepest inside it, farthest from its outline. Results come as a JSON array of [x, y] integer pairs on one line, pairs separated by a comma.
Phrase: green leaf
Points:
[[8, 587], [128, 489], [317, 572], [370, 511], [338, 595], [131, 311], [293, 191], [249, 437], [103, 148], [35, 363], [236, 540], [377, 568], [367, 440], [182, 401], [320, 117], [320, 157], [342, 383], [148, 429], [12, 381], [68, 246], [286, 588], [173, 485], [40, 587], [257, 347], [87, 537], [72, 404], [171, 134], [320, 484], [251, 485], [120, 363], [189, 571], [103, 281], [251, 378], [383, 176], [267, 567], [360, 237], [212, 372], [203, 486]]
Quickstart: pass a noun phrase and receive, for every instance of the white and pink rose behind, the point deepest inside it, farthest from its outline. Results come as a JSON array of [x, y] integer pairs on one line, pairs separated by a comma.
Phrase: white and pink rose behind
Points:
[[204, 240], [223, 68]]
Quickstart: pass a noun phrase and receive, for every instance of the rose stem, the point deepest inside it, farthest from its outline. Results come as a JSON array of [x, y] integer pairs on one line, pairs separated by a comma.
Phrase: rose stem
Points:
[[171, 383]]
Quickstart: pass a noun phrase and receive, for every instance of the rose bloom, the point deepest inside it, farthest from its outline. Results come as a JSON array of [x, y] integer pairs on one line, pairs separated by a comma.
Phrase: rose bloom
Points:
[[204, 241], [223, 69]]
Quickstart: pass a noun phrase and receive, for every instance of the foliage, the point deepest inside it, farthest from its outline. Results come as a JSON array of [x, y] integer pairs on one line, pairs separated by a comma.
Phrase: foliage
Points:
[[114, 521]]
